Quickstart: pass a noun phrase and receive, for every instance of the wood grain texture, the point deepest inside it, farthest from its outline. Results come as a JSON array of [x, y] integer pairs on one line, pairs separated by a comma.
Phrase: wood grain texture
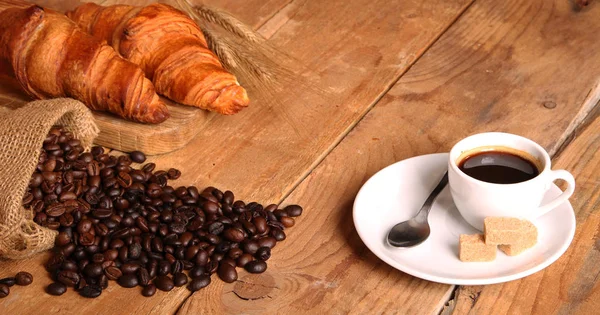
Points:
[[264, 151], [185, 121], [498, 67], [323, 266]]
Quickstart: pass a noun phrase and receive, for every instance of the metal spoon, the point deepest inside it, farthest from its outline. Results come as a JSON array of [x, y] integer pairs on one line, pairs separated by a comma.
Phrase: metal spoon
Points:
[[416, 230]]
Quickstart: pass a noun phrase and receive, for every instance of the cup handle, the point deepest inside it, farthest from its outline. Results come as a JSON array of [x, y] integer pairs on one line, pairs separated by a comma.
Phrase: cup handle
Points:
[[567, 177]]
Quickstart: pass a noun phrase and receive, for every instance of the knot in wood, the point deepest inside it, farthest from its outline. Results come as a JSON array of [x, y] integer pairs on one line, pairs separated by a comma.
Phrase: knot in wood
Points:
[[255, 286], [549, 104]]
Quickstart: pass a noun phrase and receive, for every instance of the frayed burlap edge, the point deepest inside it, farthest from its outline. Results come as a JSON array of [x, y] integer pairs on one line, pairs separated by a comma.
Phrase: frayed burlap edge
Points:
[[22, 133]]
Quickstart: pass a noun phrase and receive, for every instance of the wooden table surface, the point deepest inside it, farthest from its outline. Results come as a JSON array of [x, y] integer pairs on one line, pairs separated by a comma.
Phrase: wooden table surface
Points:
[[406, 78]]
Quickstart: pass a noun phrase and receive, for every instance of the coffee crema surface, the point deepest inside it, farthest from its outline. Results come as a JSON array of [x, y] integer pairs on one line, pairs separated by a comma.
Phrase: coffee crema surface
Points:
[[498, 166]]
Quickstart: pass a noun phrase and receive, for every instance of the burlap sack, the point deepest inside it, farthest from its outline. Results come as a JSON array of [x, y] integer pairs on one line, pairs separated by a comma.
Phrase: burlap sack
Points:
[[22, 133]]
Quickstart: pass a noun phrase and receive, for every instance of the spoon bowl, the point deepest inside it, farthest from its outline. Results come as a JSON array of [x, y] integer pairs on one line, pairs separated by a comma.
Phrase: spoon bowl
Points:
[[416, 230], [408, 233]]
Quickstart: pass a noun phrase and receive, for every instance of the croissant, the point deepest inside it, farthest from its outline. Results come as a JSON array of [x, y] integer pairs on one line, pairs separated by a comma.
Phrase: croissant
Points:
[[170, 48], [51, 57]]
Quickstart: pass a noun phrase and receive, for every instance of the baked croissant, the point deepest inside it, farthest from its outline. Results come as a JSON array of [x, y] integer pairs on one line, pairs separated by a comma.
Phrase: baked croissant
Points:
[[51, 57], [170, 48]]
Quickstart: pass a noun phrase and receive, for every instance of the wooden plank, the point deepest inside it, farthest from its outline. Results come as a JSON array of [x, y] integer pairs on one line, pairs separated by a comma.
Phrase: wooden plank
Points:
[[261, 153], [185, 121], [323, 266]]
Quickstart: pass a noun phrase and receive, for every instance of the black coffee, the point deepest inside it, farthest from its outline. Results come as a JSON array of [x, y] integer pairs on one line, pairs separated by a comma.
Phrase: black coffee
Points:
[[498, 167]]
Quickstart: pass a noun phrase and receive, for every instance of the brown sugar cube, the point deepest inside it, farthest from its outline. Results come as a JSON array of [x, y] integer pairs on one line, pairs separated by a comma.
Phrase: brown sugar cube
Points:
[[473, 248], [503, 230], [528, 240]]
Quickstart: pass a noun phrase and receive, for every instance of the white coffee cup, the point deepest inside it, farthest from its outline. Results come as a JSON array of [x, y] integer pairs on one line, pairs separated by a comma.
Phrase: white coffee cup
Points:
[[476, 199]]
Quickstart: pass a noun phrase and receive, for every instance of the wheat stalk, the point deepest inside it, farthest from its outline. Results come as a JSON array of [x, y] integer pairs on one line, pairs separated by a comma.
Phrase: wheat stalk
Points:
[[257, 64]]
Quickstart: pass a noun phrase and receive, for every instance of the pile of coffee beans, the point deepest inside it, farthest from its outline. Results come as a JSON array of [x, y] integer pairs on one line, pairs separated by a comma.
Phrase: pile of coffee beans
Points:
[[118, 222], [22, 278]]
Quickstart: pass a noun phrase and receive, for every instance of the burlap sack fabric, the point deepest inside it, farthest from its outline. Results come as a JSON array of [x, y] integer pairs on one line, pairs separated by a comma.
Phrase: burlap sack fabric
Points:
[[22, 133]]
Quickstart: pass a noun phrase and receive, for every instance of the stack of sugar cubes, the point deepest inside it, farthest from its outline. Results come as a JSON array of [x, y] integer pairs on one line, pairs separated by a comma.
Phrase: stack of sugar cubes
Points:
[[512, 235]]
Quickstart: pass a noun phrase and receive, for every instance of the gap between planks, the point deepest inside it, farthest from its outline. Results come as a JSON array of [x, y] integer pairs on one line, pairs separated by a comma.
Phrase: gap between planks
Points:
[[590, 108], [268, 29]]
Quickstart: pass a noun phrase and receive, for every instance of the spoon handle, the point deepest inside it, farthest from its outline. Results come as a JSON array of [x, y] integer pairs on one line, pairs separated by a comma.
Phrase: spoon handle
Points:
[[422, 215]]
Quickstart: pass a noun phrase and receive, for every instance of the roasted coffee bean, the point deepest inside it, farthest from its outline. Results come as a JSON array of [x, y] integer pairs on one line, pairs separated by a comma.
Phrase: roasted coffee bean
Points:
[[280, 214], [128, 281], [212, 266], [173, 173], [97, 150], [293, 210], [68, 278], [149, 290], [143, 276], [278, 234], [233, 234], [84, 226], [227, 273], [23, 278], [56, 288], [91, 291], [176, 267], [243, 260], [93, 270], [129, 268], [164, 283], [164, 268], [271, 208], [261, 224], [196, 272], [103, 282], [135, 250], [98, 258], [199, 283], [234, 253], [268, 241], [180, 279], [263, 253], [10, 281], [4, 291], [137, 157], [256, 266], [249, 246], [113, 273], [201, 258], [287, 221], [55, 210], [62, 239], [69, 265]]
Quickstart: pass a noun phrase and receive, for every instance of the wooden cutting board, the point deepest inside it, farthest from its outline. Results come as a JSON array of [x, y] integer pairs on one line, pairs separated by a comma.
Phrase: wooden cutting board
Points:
[[185, 122]]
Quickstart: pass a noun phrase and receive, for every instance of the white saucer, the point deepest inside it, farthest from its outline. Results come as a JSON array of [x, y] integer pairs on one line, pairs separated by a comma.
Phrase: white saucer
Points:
[[397, 192]]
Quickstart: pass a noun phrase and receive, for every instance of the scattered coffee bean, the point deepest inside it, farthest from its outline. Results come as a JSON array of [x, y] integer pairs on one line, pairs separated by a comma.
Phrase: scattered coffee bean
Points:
[[180, 279], [263, 253], [137, 157], [91, 291], [293, 210], [227, 273], [128, 281], [149, 290], [256, 266], [68, 278], [23, 278], [56, 288], [199, 283], [10, 281], [117, 222], [164, 283], [4, 290]]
